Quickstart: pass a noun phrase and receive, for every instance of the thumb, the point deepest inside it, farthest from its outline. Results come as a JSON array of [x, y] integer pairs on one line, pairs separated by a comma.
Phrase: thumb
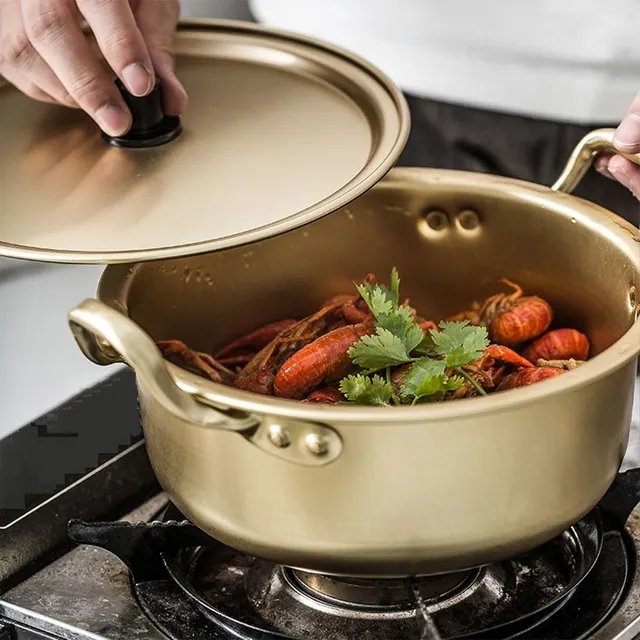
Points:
[[627, 137], [157, 20]]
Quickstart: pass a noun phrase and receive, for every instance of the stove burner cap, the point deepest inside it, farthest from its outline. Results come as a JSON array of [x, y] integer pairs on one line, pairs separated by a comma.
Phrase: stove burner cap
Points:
[[360, 593]]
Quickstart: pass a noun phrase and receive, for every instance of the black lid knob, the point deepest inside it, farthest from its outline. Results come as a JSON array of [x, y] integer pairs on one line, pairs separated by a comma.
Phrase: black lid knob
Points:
[[150, 127]]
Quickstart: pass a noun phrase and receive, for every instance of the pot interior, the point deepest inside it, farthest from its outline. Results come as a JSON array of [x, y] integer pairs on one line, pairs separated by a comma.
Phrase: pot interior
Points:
[[452, 236]]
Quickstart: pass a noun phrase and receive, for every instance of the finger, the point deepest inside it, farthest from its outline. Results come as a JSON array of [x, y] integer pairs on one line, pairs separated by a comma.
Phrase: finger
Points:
[[627, 136], [157, 20], [26, 86], [121, 42], [44, 77], [626, 173], [602, 166], [174, 94], [21, 63], [60, 42]]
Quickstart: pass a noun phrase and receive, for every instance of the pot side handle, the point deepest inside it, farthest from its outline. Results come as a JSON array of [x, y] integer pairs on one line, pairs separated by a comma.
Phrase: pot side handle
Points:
[[582, 157], [106, 336]]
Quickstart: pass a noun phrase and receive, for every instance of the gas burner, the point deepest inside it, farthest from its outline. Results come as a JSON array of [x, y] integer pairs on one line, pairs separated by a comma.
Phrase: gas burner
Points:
[[583, 584], [501, 599], [356, 593]]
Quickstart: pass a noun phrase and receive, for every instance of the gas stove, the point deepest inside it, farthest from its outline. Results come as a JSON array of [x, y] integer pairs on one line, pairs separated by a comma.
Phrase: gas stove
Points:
[[104, 555]]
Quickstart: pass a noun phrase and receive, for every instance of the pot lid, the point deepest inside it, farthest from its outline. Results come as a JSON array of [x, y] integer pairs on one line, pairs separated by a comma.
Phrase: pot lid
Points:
[[280, 131]]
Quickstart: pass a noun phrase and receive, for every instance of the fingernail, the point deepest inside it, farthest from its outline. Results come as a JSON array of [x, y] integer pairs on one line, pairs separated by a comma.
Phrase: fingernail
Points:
[[601, 164], [627, 136], [603, 171], [137, 79], [626, 174], [113, 120]]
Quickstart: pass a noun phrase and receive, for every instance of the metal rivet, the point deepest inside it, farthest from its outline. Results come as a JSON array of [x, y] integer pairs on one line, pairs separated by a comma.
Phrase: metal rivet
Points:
[[317, 445], [633, 299], [468, 219], [279, 437], [436, 220]]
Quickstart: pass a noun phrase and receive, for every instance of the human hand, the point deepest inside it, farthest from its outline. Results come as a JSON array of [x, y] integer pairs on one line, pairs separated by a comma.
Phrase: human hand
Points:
[[626, 140], [44, 53]]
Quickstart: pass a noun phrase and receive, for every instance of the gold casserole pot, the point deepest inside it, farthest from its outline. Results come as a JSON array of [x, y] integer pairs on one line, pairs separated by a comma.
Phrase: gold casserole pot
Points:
[[358, 491]]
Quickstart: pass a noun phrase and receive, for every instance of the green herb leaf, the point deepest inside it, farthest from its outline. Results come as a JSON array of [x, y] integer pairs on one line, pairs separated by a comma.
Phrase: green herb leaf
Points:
[[428, 378], [395, 286], [378, 351], [459, 343], [363, 390], [398, 336], [400, 322], [378, 300], [426, 345], [454, 382]]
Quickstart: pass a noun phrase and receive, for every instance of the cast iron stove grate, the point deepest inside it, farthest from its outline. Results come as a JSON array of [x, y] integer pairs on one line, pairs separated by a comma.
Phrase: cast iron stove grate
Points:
[[193, 586]]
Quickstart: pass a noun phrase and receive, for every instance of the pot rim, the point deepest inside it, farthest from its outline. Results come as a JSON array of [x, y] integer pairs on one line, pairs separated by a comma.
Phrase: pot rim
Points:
[[625, 349]]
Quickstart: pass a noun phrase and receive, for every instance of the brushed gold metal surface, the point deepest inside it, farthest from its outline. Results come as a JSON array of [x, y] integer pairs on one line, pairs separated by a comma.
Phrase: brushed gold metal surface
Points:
[[594, 143], [415, 490], [280, 130], [106, 336]]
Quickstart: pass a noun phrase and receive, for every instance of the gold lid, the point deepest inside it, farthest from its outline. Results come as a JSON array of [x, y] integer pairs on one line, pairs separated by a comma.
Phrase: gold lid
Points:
[[280, 130]]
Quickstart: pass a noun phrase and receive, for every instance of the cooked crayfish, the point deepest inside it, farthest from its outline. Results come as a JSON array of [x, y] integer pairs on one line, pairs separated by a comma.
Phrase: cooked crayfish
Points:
[[259, 373], [511, 318], [489, 369], [341, 311], [356, 312], [428, 325], [559, 344], [325, 395], [305, 359], [201, 364], [240, 352], [326, 359], [525, 377], [497, 352]]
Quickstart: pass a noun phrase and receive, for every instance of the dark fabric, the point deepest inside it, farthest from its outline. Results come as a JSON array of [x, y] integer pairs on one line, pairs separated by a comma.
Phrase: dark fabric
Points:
[[451, 136]]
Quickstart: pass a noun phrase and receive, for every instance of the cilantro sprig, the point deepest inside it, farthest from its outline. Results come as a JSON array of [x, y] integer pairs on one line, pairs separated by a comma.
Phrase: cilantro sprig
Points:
[[381, 350], [428, 379], [459, 343], [397, 333], [437, 359], [363, 390]]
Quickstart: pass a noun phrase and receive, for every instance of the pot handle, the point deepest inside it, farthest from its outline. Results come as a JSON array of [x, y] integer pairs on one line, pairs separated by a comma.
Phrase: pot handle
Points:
[[107, 336], [594, 143]]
